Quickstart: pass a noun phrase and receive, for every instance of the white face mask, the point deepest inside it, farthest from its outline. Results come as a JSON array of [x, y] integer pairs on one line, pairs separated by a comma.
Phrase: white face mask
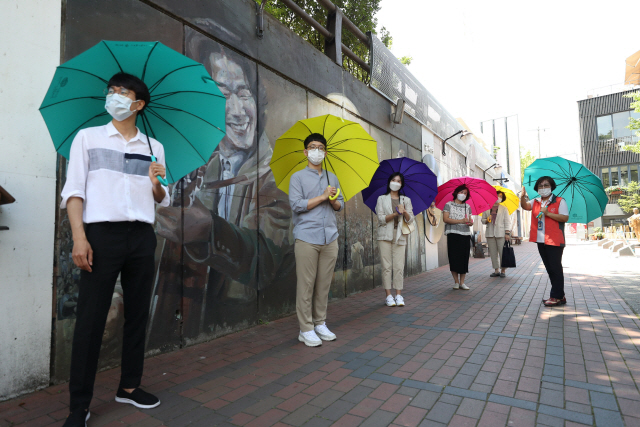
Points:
[[316, 156], [544, 192], [395, 186], [119, 106], [461, 197]]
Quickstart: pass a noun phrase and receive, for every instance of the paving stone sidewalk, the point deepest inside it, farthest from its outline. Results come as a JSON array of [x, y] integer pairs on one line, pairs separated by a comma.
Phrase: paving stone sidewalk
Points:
[[490, 356]]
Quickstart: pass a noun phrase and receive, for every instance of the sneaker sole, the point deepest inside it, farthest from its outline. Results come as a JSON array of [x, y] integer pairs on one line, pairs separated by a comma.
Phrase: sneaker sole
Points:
[[391, 305], [308, 344], [400, 305], [87, 418], [136, 404], [327, 337]]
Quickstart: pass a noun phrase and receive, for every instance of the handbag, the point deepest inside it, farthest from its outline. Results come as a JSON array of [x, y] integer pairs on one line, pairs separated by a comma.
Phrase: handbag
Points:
[[407, 228], [508, 256]]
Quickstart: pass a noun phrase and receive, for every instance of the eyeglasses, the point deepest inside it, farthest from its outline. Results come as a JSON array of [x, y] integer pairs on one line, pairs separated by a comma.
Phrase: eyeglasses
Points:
[[121, 91], [544, 186], [316, 147]]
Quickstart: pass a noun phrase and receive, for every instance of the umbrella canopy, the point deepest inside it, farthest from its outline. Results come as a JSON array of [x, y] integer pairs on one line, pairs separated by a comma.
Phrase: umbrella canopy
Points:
[[352, 154], [186, 113], [582, 190], [481, 194], [632, 69], [512, 202], [420, 184]]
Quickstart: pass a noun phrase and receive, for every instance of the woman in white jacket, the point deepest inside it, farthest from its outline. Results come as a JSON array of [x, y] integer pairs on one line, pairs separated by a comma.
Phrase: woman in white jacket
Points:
[[497, 231], [391, 209]]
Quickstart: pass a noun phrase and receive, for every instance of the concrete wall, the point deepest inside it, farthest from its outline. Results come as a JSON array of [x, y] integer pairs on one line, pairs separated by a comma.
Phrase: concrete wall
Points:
[[30, 51]]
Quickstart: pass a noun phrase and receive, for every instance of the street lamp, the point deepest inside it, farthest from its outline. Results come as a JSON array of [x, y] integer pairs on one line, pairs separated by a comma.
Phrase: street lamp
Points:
[[497, 168], [464, 133]]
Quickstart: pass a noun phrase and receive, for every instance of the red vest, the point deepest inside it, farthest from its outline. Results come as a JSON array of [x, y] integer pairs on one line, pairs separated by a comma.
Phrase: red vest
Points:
[[553, 230]]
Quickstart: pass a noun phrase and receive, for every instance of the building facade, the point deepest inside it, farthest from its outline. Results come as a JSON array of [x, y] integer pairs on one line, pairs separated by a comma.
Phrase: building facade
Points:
[[603, 134]]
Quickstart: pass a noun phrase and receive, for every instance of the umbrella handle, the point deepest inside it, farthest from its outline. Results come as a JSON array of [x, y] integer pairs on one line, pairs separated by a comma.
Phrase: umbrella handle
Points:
[[162, 180], [336, 196]]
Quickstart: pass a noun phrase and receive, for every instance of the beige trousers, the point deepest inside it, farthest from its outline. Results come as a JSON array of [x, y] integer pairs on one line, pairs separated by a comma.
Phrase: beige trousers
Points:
[[495, 250], [392, 256], [314, 270]]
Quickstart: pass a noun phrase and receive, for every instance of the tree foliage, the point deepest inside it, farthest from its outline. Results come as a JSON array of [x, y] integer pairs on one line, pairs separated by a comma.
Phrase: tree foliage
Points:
[[361, 12], [634, 124], [525, 160], [630, 198]]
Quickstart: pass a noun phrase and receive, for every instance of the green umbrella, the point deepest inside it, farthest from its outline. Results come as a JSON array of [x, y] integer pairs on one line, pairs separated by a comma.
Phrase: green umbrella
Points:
[[186, 113], [582, 190]]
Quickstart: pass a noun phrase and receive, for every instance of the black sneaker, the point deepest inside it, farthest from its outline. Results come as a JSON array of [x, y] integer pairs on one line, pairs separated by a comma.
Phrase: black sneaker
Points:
[[77, 418], [138, 398]]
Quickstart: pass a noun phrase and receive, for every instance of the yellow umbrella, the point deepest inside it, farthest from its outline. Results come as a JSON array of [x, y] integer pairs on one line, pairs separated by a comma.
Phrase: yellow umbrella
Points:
[[512, 201], [352, 154]]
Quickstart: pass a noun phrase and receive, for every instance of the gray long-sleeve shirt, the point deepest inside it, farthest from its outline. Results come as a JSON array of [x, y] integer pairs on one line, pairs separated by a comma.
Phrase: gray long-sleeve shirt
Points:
[[318, 225]]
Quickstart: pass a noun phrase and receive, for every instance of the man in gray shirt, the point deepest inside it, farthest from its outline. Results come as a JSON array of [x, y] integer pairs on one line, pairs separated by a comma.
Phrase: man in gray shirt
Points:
[[311, 191]]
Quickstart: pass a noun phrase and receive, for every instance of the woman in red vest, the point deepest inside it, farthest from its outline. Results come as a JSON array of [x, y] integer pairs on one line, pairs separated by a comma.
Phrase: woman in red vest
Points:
[[548, 216]]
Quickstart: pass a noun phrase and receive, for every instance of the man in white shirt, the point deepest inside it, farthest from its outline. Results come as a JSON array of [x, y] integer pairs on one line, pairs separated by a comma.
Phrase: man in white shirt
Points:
[[110, 195]]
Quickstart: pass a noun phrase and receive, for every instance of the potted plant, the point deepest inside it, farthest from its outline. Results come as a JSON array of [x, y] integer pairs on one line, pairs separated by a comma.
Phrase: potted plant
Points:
[[600, 235], [615, 189]]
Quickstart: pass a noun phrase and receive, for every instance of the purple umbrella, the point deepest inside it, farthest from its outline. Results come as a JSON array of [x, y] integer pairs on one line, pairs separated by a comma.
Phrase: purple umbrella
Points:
[[420, 184]]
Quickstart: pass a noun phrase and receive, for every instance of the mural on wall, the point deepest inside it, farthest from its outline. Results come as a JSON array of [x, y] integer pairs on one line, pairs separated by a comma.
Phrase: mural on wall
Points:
[[218, 218]]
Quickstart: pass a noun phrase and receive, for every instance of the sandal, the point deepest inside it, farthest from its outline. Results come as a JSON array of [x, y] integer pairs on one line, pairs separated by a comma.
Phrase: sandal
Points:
[[494, 275], [561, 302]]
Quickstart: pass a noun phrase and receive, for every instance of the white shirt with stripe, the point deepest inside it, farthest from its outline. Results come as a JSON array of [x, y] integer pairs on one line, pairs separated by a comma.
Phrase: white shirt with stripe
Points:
[[111, 175]]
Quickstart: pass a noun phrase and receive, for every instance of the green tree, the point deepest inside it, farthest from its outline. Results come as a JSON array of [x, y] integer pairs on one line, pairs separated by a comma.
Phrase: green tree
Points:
[[630, 198], [525, 160], [634, 124], [361, 12]]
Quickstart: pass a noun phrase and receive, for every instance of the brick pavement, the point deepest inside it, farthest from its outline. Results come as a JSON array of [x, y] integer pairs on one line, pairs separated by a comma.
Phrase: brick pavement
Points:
[[490, 356]]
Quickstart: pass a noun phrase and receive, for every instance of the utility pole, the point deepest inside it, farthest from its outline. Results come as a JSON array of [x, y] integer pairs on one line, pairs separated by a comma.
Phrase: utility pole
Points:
[[538, 130]]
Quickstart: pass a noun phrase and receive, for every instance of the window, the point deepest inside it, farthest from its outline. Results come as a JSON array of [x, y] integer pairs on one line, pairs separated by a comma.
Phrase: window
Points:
[[605, 127], [614, 176], [615, 126], [634, 173], [620, 123], [605, 177], [624, 176]]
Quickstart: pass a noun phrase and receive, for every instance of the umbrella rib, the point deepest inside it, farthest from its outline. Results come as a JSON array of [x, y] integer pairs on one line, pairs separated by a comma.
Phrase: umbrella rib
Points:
[[335, 143], [104, 113], [97, 98], [83, 71], [146, 119], [339, 129], [288, 154], [354, 152], [339, 159], [165, 95], [144, 69], [174, 128], [292, 168], [161, 79], [168, 107], [114, 57]]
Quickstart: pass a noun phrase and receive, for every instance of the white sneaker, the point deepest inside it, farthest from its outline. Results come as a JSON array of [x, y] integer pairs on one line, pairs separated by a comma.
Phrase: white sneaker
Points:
[[456, 286], [390, 301], [463, 286], [399, 301], [324, 333], [309, 338]]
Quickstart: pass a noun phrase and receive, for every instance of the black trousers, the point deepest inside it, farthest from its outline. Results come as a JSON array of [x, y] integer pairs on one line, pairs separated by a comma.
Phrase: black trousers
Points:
[[125, 248], [458, 247], [552, 259]]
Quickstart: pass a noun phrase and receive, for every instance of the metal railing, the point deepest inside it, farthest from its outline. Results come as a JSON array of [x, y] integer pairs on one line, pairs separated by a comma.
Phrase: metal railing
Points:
[[614, 198], [608, 90], [334, 48]]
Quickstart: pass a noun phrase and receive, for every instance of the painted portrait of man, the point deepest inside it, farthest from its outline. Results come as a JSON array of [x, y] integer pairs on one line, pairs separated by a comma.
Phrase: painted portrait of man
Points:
[[227, 230]]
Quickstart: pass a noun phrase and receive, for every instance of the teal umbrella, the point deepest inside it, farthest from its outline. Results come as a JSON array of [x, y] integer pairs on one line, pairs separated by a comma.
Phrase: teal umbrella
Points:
[[582, 190], [186, 113]]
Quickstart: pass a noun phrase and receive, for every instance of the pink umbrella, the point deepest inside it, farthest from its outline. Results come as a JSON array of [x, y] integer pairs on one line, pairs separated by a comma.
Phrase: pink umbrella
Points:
[[481, 194]]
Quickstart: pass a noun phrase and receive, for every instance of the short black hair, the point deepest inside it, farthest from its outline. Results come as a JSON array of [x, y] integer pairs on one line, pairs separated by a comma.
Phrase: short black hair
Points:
[[393, 175], [133, 83], [459, 189], [315, 137], [504, 196], [544, 178]]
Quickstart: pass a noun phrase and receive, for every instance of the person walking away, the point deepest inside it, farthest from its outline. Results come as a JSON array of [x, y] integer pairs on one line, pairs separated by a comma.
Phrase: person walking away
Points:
[[498, 231], [391, 209], [457, 218], [549, 213], [110, 196], [316, 240]]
